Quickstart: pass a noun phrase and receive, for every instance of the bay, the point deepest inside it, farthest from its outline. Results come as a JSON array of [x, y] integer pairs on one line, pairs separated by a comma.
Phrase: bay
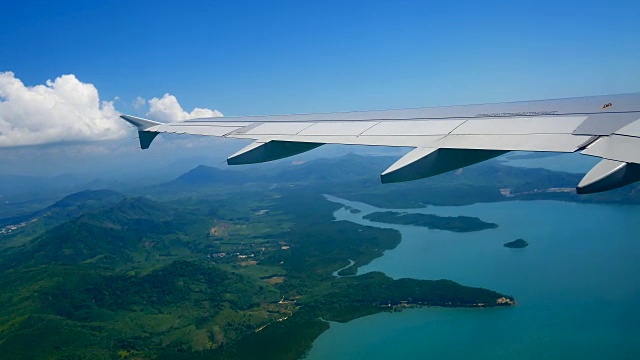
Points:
[[577, 286]]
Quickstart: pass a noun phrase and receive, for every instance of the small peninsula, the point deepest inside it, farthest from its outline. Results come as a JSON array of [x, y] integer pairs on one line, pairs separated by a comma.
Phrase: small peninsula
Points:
[[448, 223], [517, 244]]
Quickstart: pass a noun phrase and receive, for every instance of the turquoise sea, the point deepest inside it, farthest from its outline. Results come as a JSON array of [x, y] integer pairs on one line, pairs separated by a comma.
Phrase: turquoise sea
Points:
[[577, 286]]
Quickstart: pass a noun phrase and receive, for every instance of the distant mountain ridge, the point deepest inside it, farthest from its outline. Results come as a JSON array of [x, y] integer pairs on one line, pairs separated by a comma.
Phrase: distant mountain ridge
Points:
[[70, 206], [207, 175], [347, 167], [82, 197]]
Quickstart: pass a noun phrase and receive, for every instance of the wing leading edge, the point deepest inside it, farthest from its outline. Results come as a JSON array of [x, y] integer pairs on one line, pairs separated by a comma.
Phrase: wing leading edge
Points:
[[444, 138]]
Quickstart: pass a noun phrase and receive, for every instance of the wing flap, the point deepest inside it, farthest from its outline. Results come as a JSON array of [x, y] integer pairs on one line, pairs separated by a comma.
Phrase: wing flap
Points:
[[520, 125], [616, 147], [632, 129], [605, 124], [532, 142]]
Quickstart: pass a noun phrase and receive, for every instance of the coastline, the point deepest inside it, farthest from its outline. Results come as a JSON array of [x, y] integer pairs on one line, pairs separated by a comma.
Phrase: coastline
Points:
[[549, 298]]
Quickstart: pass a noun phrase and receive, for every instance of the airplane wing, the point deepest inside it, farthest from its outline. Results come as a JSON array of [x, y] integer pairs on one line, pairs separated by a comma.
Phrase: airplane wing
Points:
[[444, 138]]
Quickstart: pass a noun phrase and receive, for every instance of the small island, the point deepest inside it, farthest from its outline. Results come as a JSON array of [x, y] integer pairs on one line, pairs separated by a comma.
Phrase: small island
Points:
[[448, 223], [517, 244]]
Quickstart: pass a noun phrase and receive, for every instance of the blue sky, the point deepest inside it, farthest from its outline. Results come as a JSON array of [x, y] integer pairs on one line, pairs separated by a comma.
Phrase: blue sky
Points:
[[262, 57], [247, 57]]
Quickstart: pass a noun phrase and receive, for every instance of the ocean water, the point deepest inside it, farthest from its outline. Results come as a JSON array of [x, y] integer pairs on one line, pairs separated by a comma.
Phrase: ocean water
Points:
[[577, 286]]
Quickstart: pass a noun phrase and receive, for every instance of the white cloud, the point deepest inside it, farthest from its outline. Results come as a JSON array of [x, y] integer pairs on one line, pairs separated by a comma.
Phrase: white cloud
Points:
[[68, 110], [62, 110], [139, 102], [167, 109]]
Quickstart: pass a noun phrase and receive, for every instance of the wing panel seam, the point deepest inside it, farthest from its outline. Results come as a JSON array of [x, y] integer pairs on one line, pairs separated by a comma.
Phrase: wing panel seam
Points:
[[367, 129]]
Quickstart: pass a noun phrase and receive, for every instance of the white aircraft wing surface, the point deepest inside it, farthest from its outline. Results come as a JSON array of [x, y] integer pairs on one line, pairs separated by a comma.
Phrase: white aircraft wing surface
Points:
[[444, 138]]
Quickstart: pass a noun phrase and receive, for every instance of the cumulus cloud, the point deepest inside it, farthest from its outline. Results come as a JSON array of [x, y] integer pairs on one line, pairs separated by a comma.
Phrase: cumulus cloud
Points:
[[68, 110], [62, 110], [168, 109], [139, 102]]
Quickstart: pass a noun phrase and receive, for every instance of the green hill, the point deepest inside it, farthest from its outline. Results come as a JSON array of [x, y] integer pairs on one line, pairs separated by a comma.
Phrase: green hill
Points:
[[133, 229]]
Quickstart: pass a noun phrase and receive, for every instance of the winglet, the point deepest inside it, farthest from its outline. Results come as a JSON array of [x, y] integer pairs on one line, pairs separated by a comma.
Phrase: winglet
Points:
[[140, 123], [145, 137]]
